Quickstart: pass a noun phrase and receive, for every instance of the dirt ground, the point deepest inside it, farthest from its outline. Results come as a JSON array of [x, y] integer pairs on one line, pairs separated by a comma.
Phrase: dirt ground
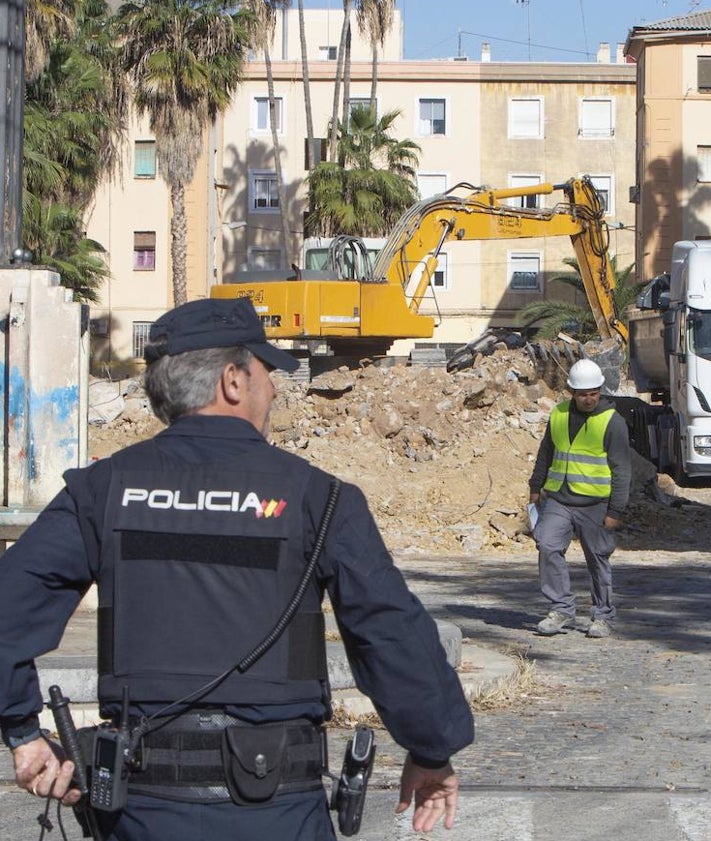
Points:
[[443, 458]]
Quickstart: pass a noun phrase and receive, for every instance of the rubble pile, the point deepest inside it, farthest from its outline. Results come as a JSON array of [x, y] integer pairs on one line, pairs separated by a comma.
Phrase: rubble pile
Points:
[[443, 458]]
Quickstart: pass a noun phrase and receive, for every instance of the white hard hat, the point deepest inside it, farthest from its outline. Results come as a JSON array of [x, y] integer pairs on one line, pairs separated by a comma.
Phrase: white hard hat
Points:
[[585, 374]]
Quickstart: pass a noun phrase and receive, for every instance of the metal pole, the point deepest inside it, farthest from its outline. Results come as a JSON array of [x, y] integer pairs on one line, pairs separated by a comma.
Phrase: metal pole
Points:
[[12, 50]]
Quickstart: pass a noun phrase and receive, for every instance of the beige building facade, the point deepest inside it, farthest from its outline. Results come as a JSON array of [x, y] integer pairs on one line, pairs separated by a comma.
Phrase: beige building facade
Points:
[[476, 122], [673, 119]]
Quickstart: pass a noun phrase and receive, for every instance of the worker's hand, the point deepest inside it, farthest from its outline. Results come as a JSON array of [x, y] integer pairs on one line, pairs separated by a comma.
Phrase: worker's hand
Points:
[[436, 793], [611, 522], [534, 498], [38, 765]]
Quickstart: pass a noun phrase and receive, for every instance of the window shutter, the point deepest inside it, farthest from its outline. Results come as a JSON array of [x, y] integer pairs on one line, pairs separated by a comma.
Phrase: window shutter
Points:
[[525, 118], [144, 239], [703, 156], [704, 73], [596, 118]]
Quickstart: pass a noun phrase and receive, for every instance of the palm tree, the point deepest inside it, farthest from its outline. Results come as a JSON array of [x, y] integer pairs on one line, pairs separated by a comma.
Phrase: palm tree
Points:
[[55, 234], [340, 63], [310, 162], [73, 125], [555, 316], [184, 60], [261, 27], [46, 22], [375, 19], [346, 78], [373, 182]]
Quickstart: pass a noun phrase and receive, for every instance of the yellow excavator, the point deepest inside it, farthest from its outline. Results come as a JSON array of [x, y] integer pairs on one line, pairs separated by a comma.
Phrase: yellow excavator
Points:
[[360, 309]]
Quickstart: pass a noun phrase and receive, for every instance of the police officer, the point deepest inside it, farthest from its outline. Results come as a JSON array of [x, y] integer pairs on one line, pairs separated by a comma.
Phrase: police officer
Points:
[[198, 539], [581, 483]]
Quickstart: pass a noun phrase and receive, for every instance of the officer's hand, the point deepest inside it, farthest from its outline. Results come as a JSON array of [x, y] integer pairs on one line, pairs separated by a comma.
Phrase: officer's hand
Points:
[[534, 498], [37, 766], [436, 793], [611, 522]]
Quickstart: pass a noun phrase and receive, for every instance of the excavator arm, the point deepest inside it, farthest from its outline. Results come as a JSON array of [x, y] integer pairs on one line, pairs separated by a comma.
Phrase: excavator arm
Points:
[[363, 315], [482, 214]]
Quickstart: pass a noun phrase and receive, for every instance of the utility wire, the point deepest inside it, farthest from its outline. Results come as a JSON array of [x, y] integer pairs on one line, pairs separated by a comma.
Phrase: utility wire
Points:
[[523, 43]]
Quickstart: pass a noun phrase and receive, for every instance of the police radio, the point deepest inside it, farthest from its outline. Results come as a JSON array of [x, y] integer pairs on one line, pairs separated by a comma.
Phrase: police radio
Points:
[[110, 764], [348, 796]]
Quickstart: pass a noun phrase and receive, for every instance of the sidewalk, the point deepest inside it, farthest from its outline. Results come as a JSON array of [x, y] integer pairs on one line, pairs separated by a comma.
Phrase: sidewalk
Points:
[[73, 668]]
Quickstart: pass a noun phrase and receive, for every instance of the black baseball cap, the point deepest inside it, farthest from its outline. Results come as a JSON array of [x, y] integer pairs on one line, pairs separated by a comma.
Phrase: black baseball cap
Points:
[[214, 322]]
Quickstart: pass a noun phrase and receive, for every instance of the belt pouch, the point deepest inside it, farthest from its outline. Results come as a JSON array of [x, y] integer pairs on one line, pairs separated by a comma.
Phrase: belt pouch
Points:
[[253, 759]]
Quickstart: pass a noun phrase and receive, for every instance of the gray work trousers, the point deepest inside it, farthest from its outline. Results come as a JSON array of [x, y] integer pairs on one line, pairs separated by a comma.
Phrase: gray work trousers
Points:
[[556, 526]]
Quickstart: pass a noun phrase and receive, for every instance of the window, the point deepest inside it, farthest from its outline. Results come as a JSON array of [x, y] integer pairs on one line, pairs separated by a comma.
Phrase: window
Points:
[[144, 251], [524, 270], [141, 331], [327, 53], [432, 116], [144, 159], [319, 150], [261, 113], [526, 117], [431, 184], [263, 196], [524, 181], [704, 73], [264, 258], [596, 118], [603, 185], [360, 102], [703, 161], [439, 277]]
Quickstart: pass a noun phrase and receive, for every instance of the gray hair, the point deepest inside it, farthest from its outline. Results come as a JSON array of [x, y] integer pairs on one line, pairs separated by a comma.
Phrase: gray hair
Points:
[[187, 382]]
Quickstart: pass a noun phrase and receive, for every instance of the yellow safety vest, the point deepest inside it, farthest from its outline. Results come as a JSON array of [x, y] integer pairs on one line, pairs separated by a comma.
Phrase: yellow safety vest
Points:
[[582, 462]]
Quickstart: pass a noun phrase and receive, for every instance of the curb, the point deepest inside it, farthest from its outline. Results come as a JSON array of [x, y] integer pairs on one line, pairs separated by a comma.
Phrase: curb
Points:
[[478, 669]]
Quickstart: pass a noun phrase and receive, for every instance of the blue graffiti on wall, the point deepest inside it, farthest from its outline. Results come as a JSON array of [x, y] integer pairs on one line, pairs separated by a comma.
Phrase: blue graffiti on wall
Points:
[[46, 414]]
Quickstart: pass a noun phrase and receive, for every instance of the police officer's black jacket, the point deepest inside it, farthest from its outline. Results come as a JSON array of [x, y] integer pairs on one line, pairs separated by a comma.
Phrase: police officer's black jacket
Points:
[[157, 524]]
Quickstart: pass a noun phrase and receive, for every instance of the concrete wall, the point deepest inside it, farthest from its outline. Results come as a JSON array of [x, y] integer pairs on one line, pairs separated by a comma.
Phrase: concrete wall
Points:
[[44, 362], [323, 29], [672, 122]]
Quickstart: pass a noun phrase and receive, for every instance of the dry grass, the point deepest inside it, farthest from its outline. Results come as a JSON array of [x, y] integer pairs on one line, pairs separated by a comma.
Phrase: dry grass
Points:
[[521, 686], [343, 718]]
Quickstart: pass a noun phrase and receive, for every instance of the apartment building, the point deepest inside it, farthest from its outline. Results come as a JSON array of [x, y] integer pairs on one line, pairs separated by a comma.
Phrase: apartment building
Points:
[[477, 122], [673, 117]]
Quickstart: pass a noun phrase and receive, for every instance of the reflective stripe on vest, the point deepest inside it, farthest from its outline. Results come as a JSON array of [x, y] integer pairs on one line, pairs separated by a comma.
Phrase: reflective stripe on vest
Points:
[[582, 462]]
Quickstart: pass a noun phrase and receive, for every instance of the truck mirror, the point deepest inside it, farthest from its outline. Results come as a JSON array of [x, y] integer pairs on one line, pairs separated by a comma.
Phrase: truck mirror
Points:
[[669, 322], [655, 295]]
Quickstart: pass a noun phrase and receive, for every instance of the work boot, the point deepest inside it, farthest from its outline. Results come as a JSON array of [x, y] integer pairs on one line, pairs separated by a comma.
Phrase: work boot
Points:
[[554, 623], [598, 629]]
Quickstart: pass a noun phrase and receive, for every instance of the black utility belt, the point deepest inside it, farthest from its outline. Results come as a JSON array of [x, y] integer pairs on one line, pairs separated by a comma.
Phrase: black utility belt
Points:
[[212, 756]]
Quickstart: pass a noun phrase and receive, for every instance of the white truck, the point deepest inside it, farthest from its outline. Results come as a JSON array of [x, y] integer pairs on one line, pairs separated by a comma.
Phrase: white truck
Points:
[[670, 359]]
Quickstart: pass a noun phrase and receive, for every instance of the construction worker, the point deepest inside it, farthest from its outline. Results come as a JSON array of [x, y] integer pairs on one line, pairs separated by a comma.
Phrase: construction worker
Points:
[[200, 540], [580, 486]]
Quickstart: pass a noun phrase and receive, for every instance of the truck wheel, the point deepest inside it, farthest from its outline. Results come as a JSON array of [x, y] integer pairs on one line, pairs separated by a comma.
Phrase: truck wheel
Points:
[[678, 473]]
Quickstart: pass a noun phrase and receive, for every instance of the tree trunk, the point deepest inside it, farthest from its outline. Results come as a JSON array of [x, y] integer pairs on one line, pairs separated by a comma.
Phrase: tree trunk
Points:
[[374, 81], [347, 80], [179, 244], [310, 162], [281, 192], [347, 4]]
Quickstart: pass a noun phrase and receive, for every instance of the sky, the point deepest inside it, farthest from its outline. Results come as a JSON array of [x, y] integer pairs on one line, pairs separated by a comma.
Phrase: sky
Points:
[[524, 30]]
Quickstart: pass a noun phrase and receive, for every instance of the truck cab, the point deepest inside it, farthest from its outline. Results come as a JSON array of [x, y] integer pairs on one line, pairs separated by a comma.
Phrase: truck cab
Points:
[[670, 357]]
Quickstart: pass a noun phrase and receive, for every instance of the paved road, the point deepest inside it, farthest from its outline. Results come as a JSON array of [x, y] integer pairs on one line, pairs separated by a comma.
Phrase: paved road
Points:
[[615, 742]]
